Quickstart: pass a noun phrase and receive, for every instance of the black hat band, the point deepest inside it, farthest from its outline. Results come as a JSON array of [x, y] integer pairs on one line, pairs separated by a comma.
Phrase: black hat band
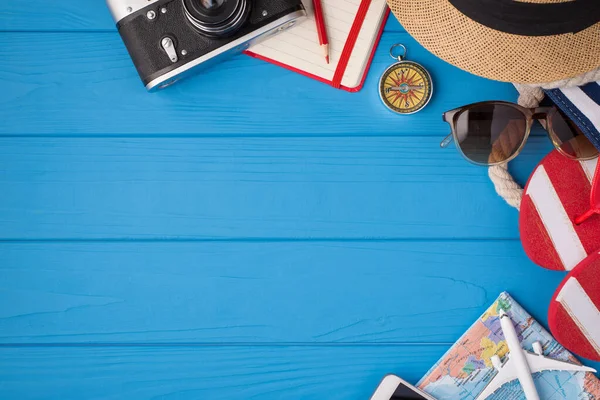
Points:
[[532, 19]]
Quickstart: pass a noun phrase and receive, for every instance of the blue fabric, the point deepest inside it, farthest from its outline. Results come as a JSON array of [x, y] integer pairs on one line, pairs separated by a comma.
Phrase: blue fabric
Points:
[[592, 90]]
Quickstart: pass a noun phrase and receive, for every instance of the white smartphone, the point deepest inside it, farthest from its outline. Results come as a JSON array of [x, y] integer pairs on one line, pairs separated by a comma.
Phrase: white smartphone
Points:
[[395, 388]]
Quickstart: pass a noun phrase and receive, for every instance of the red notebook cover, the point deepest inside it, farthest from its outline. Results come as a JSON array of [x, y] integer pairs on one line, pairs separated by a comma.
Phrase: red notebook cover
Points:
[[346, 50]]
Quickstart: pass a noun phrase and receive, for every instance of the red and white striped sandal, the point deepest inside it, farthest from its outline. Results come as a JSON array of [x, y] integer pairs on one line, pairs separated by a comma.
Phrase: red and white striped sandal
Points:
[[554, 232], [574, 313]]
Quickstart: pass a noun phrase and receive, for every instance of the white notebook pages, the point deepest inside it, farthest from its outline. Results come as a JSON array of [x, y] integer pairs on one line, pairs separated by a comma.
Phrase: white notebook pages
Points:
[[299, 46]]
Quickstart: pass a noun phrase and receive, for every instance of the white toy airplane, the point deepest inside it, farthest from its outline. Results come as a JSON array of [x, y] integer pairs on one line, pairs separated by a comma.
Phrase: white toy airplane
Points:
[[520, 364]]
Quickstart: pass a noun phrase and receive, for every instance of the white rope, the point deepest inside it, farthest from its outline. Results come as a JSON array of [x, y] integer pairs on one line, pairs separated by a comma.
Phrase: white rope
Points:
[[580, 80], [505, 185], [530, 97]]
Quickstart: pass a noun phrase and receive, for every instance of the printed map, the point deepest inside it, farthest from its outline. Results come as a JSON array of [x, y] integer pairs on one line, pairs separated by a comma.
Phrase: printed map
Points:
[[465, 370]]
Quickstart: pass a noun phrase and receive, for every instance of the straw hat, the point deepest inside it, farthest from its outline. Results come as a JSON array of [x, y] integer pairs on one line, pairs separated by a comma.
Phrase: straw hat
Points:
[[522, 41]]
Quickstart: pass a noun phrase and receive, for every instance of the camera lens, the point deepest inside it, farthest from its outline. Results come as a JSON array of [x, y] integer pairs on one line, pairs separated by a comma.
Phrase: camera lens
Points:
[[211, 6], [217, 18]]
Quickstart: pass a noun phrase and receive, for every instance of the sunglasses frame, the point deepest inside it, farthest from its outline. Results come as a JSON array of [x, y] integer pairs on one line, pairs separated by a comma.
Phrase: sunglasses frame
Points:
[[542, 114]]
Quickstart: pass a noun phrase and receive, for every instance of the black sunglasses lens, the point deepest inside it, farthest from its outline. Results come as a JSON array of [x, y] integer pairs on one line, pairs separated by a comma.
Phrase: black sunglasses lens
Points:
[[490, 133]]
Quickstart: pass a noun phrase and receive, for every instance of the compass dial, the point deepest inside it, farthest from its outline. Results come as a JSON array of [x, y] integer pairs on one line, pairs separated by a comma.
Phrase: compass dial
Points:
[[405, 87]]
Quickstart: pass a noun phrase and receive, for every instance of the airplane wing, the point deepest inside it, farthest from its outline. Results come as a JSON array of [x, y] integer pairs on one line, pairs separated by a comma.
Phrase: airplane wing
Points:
[[538, 363], [506, 373]]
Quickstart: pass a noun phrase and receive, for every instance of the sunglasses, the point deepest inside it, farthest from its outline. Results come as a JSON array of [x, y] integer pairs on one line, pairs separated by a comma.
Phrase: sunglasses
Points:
[[494, 132]]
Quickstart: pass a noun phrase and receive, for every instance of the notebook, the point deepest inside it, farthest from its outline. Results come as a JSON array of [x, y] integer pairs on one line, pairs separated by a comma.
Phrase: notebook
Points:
[[465, 370], [353, 29]]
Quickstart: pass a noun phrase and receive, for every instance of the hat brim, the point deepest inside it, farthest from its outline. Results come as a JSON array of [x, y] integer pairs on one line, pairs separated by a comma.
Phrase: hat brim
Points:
[[483, 51]]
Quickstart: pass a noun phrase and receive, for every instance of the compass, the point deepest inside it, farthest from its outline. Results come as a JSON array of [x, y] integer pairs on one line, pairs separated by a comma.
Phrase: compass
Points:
[[405, 87]]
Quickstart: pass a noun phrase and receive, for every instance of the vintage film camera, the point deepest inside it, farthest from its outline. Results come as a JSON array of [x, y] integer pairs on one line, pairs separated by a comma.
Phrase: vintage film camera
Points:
[[171, 39]]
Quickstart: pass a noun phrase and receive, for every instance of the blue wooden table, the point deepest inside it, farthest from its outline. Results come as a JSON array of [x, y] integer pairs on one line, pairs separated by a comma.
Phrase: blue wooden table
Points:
[[249, 233]]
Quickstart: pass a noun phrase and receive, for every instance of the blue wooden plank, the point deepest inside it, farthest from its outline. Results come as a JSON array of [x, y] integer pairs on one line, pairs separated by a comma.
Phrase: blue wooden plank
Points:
[[85, 83], [61, 15], [393, 25], [73, 15], [282, 372], [207, 373], [260, 292], [215, 188]]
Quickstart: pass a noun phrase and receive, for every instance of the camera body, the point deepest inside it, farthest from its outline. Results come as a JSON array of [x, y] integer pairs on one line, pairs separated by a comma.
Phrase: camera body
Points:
[[171, 39]]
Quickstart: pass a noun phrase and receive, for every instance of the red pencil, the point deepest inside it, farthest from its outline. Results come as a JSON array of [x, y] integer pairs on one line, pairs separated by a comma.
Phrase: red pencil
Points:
[[321, 29]]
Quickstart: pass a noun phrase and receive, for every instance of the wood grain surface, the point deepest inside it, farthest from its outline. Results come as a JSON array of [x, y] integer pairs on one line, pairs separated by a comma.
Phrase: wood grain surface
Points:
[[259, 292], [248, 233], [187, 372], [219, 188]]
